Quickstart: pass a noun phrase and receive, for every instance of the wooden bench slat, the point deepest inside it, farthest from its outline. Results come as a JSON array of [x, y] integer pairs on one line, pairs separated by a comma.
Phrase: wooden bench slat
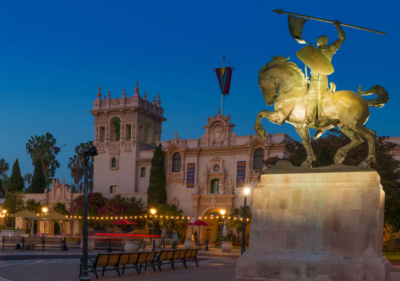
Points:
[[49, 240], [31, 240], [12, 239], [113, 260]]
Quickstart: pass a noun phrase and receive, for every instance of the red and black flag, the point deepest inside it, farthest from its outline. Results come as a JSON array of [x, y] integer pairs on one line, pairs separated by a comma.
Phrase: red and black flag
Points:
[[224, 75]]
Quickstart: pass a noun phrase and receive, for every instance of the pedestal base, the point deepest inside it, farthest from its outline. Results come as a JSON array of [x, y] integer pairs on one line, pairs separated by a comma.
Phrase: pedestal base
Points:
[[322, 226]]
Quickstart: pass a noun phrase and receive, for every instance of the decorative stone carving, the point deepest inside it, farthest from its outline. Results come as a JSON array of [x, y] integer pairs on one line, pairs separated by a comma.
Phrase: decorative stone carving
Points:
[[58, 192], [175, 201]]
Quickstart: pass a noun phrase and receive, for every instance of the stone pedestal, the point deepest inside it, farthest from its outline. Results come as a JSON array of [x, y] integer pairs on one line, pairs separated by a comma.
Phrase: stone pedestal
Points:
[[317, 226]]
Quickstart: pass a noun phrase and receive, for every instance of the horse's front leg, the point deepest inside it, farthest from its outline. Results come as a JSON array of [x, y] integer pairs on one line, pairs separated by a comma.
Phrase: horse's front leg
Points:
[[276, 117], [304, 133]]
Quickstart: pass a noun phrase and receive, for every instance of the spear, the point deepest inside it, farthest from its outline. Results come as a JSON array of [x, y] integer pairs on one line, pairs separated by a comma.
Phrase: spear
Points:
[[279, 12]]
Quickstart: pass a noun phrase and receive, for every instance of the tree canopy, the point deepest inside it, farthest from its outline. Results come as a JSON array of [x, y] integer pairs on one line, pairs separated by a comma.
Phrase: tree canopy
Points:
[[156, 193], [16, 182], [44, 148], [387, 166], [38, 184], [76, 164]]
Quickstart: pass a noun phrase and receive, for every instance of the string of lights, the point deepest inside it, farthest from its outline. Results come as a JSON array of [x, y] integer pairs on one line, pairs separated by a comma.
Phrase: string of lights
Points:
[[156, 216], [119, 217]]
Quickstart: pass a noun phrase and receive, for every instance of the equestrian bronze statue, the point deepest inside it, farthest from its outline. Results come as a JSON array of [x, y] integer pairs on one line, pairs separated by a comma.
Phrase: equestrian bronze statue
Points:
[[311, 103], [285, 85]]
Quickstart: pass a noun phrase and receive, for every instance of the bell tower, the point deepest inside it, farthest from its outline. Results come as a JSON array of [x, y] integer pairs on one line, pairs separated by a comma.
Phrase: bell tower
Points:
[[123, 127]]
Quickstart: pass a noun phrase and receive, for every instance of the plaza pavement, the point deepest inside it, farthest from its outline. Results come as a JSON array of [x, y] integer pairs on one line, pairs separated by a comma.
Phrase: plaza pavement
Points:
[[53, 264]]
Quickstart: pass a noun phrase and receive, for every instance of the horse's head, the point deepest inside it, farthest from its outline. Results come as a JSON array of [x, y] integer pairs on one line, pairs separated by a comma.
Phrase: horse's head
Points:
[[269, 88], [279, 74]]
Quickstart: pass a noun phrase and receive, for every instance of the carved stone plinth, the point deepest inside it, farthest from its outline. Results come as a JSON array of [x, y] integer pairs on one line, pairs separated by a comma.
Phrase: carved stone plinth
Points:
[[317, 226]]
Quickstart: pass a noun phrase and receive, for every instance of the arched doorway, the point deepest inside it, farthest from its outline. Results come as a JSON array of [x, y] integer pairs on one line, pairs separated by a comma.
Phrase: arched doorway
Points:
[[214, 230]]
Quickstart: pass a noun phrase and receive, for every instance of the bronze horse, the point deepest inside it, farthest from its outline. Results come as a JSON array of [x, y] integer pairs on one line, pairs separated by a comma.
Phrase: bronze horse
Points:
[[284, 84]]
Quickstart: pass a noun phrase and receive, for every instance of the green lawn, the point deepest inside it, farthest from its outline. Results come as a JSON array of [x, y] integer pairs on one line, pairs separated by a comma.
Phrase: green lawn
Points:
[[392, 256]]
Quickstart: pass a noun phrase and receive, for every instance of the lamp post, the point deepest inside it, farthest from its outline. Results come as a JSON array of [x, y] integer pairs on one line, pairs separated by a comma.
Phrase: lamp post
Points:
[[92, 151], [4, 215], [222, 212], [246, 192], [153, 212], [44, 210]]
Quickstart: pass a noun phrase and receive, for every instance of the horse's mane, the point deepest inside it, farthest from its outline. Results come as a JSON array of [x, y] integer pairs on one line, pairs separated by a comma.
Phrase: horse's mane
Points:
[[279, 60]]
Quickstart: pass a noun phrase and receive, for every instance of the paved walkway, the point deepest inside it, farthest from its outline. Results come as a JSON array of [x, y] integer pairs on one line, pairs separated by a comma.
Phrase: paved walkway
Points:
[[53, 264], [67, 269]]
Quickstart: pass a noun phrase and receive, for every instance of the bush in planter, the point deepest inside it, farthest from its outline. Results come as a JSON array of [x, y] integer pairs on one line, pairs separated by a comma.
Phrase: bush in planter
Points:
[[217, 244]]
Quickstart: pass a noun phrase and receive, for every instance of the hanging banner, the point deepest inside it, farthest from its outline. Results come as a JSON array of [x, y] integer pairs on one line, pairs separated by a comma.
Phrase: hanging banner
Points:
[[240, 173], [296, 28], [224, 75], [190, 175]]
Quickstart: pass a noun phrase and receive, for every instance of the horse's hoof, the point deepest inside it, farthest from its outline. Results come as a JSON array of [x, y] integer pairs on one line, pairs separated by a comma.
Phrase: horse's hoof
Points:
[[339, 157], [306, 165], [364, 164]]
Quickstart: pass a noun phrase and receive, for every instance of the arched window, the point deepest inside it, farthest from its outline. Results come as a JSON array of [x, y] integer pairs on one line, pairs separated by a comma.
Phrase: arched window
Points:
[[115, 129], [258, 159], [214, 186], [149, 132], [113, 163], [176, 162]]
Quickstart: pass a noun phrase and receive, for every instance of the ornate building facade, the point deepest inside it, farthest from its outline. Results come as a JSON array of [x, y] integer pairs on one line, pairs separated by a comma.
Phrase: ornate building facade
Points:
[[203, 175]]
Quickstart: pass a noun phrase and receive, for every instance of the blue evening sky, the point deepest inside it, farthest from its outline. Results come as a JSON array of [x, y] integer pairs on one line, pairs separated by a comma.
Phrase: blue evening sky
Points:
[[54, 54]]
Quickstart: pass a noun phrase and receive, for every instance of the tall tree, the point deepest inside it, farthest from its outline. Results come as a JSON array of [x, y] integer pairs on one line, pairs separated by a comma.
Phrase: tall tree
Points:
[[387, 166], [38, 180], [28, 179], [4, 181], [74, 164], [13, 204], [156, 193], [77, 162], [16, 180], [4, 166], [44, 148]]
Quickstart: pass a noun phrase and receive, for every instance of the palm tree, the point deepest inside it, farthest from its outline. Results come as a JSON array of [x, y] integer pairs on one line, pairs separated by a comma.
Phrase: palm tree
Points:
[[77, 162], [4, 166], [44, 148], [238, 224], [76, 167], [28, 178]]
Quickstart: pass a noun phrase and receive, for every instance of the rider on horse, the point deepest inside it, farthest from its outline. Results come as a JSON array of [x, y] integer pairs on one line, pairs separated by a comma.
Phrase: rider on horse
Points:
[[319, 82]]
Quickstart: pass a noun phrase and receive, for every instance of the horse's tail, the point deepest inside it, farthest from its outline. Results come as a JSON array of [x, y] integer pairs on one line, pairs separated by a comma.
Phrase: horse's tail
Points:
[[380, 101]]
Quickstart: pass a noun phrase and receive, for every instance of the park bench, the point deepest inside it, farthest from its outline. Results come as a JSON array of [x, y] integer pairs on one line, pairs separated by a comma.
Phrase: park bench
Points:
[[12, 240], [136, 260], [53, 241], [129, 260], [174, 256], [104, 261], [28, 242], [146, 259], [179, 256], [31, 242], [191, 255]]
